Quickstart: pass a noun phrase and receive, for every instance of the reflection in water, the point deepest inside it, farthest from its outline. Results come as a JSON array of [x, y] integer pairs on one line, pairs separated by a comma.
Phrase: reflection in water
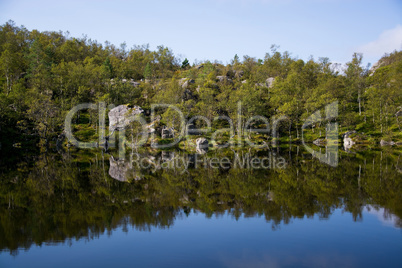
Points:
[[56, 198], [118, 168], [386, 217]]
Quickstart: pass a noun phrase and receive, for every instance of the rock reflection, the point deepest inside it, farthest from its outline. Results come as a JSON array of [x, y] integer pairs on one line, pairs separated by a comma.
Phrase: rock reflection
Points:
[[90, 195]]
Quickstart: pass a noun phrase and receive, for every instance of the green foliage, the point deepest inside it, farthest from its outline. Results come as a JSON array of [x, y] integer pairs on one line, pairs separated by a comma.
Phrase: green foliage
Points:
[[148, 71], [57, 197], [185, 64], [55, 72]]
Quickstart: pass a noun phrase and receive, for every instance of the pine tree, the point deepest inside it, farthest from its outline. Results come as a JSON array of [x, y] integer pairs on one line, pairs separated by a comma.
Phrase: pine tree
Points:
[[185, 64]]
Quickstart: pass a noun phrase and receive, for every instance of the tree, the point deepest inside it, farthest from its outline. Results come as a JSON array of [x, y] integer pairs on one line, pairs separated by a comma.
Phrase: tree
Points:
[[148, 71], [185, 64]]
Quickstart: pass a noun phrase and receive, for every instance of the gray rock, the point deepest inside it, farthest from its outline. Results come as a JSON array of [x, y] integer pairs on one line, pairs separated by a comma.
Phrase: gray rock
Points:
[[134, 84], [122, 170], [347, 141], [375, 67], [223, 78], [386, 143], [118, 169], [202, 145], [131, 82], [119, 117], [270, 82]]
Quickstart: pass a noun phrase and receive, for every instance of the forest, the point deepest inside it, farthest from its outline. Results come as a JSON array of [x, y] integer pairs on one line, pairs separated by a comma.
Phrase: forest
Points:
[[52, 196], [44, 74]]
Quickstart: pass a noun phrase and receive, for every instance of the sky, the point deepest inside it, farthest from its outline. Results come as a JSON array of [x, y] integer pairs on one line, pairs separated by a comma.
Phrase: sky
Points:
[[218, 29]]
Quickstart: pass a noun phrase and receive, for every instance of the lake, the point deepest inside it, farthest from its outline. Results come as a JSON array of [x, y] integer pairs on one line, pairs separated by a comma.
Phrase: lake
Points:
[[279, 207]]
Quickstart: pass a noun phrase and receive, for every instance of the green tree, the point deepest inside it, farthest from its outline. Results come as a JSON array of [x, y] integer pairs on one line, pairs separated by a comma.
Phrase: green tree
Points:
[[185, 64]]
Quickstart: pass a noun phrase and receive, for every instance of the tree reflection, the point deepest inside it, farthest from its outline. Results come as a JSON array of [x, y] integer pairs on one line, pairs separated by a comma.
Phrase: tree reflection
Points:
[[54, 198]]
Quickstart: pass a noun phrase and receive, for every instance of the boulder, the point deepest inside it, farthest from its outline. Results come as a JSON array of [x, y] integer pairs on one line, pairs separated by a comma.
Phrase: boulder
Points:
[[118, 169], [119, 117], [347, 141], [122, 170], [270, 82], [387, 143], [202, 145], [223, 78], [185, 82]]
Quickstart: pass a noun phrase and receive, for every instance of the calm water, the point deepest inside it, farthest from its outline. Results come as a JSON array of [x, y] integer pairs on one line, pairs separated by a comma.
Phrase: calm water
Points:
[[171, 209]]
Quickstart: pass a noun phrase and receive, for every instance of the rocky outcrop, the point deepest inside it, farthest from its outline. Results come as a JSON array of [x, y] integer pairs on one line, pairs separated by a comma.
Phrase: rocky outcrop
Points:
[[120, 116]]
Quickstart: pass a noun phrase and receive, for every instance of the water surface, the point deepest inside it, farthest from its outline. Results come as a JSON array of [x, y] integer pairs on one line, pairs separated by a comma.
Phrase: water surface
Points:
[[91, 209]]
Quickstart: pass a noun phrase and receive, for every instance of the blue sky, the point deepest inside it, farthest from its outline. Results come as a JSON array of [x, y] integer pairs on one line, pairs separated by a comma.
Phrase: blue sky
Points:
[[219, 29]]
